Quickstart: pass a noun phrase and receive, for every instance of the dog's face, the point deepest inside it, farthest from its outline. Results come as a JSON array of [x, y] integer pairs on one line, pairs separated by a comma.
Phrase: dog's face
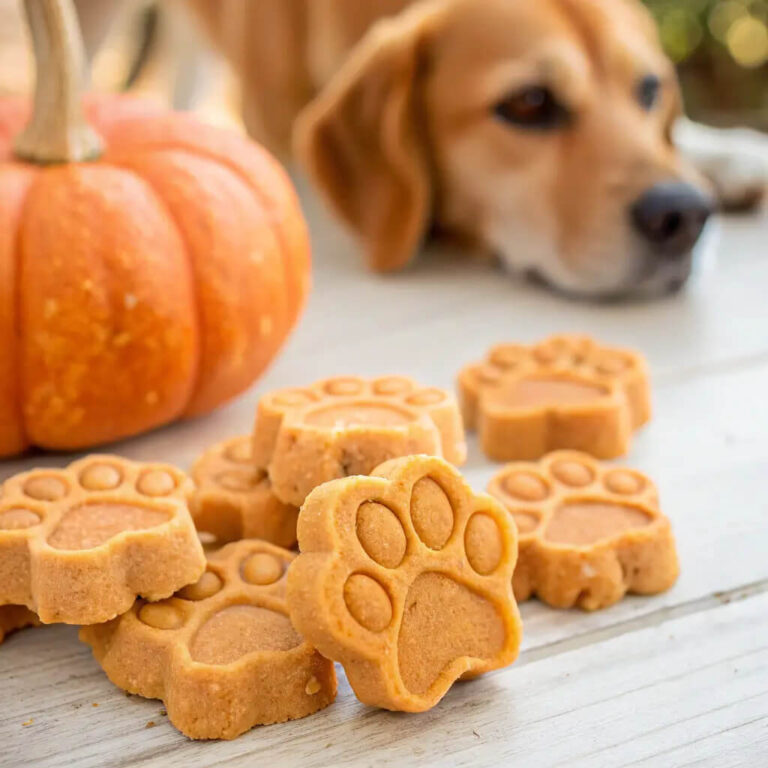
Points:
[[540, 128]]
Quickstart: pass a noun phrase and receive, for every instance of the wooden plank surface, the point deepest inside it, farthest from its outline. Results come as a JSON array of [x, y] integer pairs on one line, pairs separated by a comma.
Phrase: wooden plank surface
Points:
[[692, 690], [611, 683]]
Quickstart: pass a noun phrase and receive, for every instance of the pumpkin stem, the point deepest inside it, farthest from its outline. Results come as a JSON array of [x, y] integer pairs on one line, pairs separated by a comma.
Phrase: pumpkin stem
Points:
[[57, 131]]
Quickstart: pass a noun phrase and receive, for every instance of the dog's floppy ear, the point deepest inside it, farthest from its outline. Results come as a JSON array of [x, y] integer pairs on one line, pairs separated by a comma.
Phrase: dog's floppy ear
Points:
[[362, 140]]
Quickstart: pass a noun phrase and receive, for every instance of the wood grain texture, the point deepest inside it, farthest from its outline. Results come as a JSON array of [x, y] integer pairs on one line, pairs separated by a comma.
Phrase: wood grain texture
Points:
[[693, 688], [677, 679]]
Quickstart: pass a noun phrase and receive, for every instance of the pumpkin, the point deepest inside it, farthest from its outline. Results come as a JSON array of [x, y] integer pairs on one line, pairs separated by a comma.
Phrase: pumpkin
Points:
[[150, 266]]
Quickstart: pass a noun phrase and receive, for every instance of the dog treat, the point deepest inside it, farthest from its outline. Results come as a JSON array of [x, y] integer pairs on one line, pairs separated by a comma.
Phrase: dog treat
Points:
[[347, 426], [234, 499], [588, 533], [77, 545], [221, 654], [14, 617], [565, 392], [405, 578]]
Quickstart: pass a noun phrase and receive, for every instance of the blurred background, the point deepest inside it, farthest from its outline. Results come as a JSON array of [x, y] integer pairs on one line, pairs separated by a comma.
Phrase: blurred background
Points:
[[719, 46], [721, 51]]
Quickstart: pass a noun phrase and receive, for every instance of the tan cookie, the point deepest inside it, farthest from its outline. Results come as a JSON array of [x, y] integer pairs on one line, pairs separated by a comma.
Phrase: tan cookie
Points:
[[14, 617], [588, 533], [405, 578], [234, 499], [347, 426], [77, 545], [565, 392], [221, 654]]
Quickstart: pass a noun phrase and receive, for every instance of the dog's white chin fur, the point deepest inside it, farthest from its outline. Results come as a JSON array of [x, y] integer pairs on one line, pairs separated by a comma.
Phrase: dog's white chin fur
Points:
[[623, 268]]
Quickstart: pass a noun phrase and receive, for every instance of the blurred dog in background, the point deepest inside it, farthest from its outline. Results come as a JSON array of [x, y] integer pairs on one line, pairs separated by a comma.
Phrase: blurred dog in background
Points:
[[540, 130]]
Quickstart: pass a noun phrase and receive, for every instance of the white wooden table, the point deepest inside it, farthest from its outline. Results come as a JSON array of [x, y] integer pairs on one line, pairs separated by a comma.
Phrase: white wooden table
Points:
[[678, 679]]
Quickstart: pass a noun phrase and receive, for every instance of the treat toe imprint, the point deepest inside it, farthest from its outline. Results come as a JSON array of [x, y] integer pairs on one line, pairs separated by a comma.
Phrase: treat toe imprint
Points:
[[431, 512], [262, 568], [206, 586], [45, 488], [101, 477], [368, 602], [18, 518], [381, 534], [483, 543], [156, 482], [163, 615]]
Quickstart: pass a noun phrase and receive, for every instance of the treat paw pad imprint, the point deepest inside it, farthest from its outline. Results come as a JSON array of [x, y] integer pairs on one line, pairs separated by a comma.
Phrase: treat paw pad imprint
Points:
[[588, 533], [234, 499], [221, 653], [15, 617], [565, 392], [348, 426], [78, 545], [405, 578]]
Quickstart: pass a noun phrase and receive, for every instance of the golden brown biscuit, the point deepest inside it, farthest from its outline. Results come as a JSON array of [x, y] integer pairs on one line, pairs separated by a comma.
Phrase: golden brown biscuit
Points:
[[14, 617], [349, 425], [405, 578], [221, 654], [565, 392], [77, 545], [234, 500], [588, 533]]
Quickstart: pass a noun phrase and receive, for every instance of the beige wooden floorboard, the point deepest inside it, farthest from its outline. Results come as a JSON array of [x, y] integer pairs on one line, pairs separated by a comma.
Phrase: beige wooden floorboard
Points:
[[691, 691], [460, 305]]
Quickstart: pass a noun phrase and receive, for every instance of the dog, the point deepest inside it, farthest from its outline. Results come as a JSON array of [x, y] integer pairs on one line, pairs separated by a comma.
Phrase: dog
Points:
[[539, 130]]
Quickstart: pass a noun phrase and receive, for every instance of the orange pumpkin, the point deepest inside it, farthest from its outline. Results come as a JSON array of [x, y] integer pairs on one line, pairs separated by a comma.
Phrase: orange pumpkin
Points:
[[150, 284]]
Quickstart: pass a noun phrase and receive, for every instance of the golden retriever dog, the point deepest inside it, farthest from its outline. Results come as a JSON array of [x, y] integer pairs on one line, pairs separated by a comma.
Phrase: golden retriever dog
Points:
[[540, 130]]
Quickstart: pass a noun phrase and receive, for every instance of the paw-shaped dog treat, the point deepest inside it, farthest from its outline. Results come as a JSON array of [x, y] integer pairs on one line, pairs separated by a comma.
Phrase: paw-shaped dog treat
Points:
[[566, 392], [221, 654], [405, 578], [348, 426], [234, 499], [13, 617], [588, 533], [78, 545]]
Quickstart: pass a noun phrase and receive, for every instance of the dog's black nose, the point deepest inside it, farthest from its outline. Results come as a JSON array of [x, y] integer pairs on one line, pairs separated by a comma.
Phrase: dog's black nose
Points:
[[671, 216]]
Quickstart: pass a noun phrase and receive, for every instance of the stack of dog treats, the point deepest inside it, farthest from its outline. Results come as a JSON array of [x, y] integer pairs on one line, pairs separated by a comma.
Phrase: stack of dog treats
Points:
[[405, 575]]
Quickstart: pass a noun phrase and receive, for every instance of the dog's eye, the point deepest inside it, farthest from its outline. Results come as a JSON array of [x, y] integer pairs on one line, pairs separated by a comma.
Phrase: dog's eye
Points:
[[532, 107], [648, 90]]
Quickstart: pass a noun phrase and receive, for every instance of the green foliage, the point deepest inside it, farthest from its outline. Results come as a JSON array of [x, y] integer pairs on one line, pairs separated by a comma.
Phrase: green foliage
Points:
[[738, 26], [721, 48]]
